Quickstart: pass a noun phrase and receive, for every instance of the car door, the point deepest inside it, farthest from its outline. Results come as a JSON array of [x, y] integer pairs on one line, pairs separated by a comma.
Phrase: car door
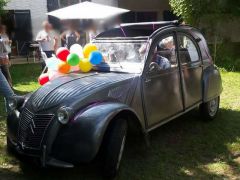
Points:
[[161, 82], [191, 69]]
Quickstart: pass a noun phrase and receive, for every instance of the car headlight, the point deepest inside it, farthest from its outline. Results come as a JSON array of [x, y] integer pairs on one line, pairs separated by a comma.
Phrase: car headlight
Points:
[[63, 115], [12, 104], [15, 102]]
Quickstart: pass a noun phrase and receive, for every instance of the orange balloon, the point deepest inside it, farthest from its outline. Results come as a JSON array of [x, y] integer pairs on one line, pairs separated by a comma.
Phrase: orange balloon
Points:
[[64, 68]]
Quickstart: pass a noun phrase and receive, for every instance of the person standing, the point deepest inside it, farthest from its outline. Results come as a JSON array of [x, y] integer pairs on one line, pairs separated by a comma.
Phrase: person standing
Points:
[[4, 61], [92, 32], [47, 40], [7, 42], [5, 89], [70, 36]]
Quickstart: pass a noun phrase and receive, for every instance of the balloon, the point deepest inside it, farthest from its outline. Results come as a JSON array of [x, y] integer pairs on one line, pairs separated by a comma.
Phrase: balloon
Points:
[[62, 53], [75, 68], [85, 65], [77, 49], [95, 57], [52, 63], [43, 79], [88, 49], [64, 68], [73, 59]]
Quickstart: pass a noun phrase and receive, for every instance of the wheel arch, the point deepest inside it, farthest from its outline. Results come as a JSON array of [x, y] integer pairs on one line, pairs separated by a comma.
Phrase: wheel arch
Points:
[[84, 136]]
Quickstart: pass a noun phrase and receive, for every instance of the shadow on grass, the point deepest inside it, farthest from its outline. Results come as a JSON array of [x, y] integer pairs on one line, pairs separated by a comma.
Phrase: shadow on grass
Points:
[[184, 148]]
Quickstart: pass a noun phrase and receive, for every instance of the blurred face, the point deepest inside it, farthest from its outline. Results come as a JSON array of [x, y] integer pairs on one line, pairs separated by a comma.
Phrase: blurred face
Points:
[[170, 45], [47, 26]]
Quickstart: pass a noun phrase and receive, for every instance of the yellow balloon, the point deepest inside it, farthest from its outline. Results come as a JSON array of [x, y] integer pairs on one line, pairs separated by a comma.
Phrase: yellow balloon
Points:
[[88, 49], [85, 65]]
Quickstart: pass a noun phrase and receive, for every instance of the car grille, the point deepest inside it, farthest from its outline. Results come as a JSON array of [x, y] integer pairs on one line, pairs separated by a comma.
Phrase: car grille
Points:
[[32, 128]]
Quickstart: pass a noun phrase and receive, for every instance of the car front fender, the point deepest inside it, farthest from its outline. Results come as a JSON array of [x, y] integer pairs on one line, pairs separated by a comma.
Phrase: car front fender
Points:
[[81, 139], [212, 83]]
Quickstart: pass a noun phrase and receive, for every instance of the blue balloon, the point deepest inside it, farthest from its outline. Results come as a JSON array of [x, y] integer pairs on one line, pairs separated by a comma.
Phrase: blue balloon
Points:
[[95, 57]]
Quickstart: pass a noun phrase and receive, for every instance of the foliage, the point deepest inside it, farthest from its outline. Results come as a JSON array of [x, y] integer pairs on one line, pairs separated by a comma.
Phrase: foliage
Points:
[[210, 16], [191, 11], [3, 3], [186, 148], [228, 56]]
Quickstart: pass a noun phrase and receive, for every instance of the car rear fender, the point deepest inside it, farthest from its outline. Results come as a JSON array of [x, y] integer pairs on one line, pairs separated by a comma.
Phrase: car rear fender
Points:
[[212, 83]]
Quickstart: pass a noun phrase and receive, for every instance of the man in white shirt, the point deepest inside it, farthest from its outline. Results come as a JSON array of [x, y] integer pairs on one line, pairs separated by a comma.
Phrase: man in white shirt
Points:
[[47, 40]]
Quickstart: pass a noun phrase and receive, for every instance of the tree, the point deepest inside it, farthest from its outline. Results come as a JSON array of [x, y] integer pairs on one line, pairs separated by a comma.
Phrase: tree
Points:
[[209, 15], [192, 11], [3, 3]]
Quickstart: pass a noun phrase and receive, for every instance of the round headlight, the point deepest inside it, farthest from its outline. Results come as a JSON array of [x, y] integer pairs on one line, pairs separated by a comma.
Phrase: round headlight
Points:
[[12, 104], [63, 115]]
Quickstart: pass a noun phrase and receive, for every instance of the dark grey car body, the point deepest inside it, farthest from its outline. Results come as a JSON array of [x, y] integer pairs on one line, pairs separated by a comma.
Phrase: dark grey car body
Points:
[[146, 99]]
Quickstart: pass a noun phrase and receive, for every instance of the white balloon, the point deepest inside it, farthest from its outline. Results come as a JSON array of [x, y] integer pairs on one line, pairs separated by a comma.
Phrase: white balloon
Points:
[[52, 63], [77, 49]]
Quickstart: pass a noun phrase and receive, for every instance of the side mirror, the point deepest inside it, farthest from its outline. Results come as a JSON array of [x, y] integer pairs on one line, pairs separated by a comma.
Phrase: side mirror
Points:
[[153, 67]]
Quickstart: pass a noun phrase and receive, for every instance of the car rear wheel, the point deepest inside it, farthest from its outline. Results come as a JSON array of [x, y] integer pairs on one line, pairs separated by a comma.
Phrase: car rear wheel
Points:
[[210, 109], [114, 147]]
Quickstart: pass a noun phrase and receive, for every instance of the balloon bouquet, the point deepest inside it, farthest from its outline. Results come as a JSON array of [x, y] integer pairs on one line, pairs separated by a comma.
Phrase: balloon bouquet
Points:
[[75, 59]]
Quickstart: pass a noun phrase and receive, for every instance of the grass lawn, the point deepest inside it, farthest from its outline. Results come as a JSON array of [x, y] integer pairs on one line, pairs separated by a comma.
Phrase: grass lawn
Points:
[[185, 148]]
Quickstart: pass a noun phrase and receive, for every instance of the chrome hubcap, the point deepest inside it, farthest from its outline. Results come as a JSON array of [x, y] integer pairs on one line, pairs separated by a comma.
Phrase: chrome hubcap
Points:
[[213, 107]]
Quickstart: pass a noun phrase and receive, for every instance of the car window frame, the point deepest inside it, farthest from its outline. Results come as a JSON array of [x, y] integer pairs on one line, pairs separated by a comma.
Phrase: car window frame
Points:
[[155, 42], [196, 45]]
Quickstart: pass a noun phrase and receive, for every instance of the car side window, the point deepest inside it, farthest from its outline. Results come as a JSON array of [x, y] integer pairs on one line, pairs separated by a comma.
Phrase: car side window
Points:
[[164, 53], [187, 49]]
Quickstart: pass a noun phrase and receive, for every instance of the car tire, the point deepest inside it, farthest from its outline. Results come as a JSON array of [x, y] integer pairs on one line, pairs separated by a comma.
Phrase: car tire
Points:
[[114, 146], [209, 110]]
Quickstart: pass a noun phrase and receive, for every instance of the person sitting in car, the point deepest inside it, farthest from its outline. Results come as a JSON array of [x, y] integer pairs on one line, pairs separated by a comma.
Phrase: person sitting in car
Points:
[[168, 49], [162, 62]]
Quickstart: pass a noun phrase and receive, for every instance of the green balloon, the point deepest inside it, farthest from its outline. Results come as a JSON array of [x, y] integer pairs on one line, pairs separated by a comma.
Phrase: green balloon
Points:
[[73, 59]]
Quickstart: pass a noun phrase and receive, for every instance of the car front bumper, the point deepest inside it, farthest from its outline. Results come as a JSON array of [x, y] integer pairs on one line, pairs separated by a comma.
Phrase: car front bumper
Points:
[[40, 155], [61, 145]]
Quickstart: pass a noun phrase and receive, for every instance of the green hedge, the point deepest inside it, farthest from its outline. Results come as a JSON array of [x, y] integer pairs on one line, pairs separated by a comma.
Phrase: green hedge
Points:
[[228, 56]]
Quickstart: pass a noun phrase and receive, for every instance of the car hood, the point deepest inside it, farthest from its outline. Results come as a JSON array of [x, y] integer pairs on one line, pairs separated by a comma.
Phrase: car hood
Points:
[[77, 87]]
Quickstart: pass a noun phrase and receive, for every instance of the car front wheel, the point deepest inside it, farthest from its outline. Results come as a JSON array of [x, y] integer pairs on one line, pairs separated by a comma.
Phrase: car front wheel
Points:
[[210, 109], [114, 147]]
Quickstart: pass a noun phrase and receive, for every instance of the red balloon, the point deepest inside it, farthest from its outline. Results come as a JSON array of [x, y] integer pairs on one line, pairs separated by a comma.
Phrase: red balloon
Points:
[[62, 53], [43, 79]]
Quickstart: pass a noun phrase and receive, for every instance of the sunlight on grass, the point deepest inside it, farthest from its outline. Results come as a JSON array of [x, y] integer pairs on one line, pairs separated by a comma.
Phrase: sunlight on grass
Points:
[[220, 168], [188, 172], [31, 86], [231, 93]]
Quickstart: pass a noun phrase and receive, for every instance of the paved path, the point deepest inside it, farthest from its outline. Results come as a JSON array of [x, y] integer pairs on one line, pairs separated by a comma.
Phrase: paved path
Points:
[[23, 60]]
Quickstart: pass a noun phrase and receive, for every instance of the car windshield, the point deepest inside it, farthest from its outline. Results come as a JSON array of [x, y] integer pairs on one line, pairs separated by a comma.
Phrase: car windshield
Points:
[[122, 56]]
